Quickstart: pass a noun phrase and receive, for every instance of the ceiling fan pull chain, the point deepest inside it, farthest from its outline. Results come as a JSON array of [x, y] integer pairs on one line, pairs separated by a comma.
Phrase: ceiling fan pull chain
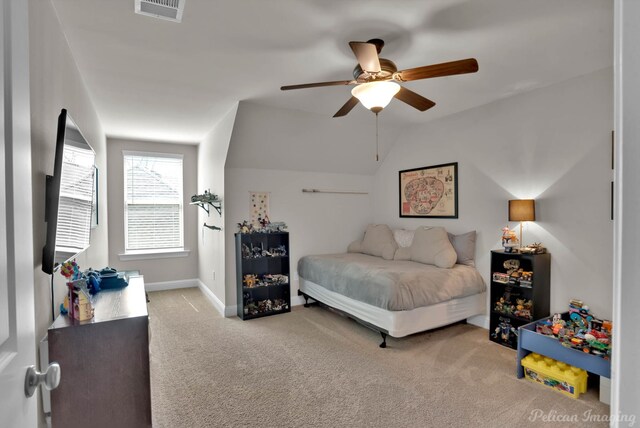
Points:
[[377, 158]]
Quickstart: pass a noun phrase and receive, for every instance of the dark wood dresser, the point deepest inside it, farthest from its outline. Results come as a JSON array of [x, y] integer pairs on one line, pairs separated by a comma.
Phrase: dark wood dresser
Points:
[[104, 363]]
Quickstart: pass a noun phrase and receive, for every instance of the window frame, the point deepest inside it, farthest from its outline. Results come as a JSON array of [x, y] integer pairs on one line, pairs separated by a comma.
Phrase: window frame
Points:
[[165, 252]]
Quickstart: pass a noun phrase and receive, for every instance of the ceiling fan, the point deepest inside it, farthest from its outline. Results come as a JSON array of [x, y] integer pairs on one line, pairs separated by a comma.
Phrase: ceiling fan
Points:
[[377, 79]]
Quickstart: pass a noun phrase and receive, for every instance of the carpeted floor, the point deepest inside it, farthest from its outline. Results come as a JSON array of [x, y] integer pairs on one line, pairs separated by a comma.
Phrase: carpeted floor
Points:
[[313, 368]]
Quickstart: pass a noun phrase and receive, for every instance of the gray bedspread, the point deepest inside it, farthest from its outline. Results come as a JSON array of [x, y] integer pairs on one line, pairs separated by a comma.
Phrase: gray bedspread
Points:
[[390, 284]]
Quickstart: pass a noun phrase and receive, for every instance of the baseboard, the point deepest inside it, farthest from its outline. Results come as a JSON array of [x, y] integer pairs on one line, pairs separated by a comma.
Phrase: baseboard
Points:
[[297, 300], [171, 285], [230, 311], [479, 321], [225, 311]]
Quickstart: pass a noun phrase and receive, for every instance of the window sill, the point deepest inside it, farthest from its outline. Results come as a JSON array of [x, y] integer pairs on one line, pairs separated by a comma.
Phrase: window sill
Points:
[[154, 254]]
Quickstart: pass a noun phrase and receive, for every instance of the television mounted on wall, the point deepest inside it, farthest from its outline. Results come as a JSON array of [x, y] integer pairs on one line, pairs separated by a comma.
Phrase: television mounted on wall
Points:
[[69, 196]]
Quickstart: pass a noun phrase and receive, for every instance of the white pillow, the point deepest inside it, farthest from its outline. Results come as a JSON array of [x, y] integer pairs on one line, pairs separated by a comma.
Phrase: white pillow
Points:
[[432, 246], [403, 237], [402, 253], [378, 241], [355, 247]]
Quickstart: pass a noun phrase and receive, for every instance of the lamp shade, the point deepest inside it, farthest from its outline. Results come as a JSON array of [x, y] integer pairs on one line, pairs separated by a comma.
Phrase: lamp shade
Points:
[[375, 95], [522, 210]]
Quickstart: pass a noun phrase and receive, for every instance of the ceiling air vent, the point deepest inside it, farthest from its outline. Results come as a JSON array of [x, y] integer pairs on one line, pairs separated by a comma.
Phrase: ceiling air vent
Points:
[[170, 10]]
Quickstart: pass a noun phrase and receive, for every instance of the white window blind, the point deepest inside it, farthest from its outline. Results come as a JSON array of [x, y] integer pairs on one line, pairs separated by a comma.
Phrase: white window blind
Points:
[[73, 229], [153, 201]]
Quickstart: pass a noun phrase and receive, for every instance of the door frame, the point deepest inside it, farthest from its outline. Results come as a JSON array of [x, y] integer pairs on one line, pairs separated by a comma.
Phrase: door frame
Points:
[[19, 350]]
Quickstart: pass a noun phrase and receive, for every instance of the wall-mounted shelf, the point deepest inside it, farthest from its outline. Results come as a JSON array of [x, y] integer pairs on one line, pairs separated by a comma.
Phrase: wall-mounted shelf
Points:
[[205, 206], [206, 201]]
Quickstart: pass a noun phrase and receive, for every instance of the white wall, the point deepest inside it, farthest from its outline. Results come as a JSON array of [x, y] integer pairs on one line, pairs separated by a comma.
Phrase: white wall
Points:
[[212, 155], [154, 270], [317, 223], [56, 84], [552, 144], [626, 342], [268, 137]]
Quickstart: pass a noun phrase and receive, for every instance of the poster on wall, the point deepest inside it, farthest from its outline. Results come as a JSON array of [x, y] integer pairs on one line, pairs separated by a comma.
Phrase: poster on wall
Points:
[[259, 207], [430, 191]]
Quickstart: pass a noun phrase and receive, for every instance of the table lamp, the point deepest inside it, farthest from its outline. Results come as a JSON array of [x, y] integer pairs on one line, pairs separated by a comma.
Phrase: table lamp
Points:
[[522, 210]]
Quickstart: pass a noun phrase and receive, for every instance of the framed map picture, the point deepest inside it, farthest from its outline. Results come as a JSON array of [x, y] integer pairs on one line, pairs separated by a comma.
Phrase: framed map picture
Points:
[[431, 191]]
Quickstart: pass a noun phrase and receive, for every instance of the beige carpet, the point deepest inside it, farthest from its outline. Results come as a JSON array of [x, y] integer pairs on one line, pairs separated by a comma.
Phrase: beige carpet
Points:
[[314, 368]]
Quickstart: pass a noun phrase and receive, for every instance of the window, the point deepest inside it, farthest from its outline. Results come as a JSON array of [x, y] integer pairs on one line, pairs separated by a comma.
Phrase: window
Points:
[[153, 202], [76, 197]]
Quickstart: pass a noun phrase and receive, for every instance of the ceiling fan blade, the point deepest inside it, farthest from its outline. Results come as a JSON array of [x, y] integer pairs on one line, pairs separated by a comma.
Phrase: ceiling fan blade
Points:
[[438, 70], [347, 107], [367, 56], [315, 85], [414, 100]]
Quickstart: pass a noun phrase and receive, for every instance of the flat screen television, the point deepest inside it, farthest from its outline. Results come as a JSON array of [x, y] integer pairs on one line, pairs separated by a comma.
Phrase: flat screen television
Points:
[[69, 196]]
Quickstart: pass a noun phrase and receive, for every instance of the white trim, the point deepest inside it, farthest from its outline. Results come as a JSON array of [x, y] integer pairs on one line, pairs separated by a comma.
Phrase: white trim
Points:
[[297, 300], [230, 311], [481, 321], [171, 285], [225, 311], [180, 199], [153, 254], [152, 154], [618, 233]]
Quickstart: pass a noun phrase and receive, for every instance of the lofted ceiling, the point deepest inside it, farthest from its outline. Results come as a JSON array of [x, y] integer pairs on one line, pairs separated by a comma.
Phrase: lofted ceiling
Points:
[[155, 79]]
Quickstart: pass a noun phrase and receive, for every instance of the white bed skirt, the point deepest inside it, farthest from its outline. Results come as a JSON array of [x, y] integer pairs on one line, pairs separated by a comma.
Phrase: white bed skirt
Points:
[[400, 323]]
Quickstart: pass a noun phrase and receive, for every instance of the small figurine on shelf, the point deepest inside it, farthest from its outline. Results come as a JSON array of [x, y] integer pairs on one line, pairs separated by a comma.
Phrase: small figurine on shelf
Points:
[[250, 308], [250, 280], [207, 197], [280, 304], [524, 308], [276, 226], [279, 251], [509, 240], [505, 331], [535, 248], [264, 222], [511, 265], [246, 251], [245, 227], [275, 279]]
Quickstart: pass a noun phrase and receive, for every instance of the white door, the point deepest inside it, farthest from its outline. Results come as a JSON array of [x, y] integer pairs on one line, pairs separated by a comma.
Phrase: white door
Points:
[[17, 324]]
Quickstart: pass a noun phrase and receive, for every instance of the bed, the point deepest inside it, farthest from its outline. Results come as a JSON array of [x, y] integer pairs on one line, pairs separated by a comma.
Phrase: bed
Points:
[[394, 296]]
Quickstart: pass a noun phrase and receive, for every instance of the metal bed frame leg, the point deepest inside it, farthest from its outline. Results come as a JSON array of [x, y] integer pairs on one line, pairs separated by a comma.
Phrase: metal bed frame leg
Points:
[[384, 340], [306, 300]]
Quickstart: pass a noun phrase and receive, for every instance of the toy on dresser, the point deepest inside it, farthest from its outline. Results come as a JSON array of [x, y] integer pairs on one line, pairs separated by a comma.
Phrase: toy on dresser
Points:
[[77, 303]]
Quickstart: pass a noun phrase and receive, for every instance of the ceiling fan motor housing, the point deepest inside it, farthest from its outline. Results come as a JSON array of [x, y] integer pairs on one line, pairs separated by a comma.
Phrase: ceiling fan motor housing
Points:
[[387, 69]]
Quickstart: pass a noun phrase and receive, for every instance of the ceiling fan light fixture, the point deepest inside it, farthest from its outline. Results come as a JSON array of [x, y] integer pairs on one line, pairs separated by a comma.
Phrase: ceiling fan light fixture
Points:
[[375, 95]]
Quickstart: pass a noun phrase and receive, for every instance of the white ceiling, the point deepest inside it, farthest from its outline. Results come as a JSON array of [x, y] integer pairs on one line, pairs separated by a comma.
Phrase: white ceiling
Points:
[[153, 79]]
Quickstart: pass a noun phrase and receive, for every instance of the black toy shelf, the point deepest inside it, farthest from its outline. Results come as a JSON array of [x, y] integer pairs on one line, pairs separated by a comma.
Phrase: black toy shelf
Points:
[[519, 293], [262, 274]]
